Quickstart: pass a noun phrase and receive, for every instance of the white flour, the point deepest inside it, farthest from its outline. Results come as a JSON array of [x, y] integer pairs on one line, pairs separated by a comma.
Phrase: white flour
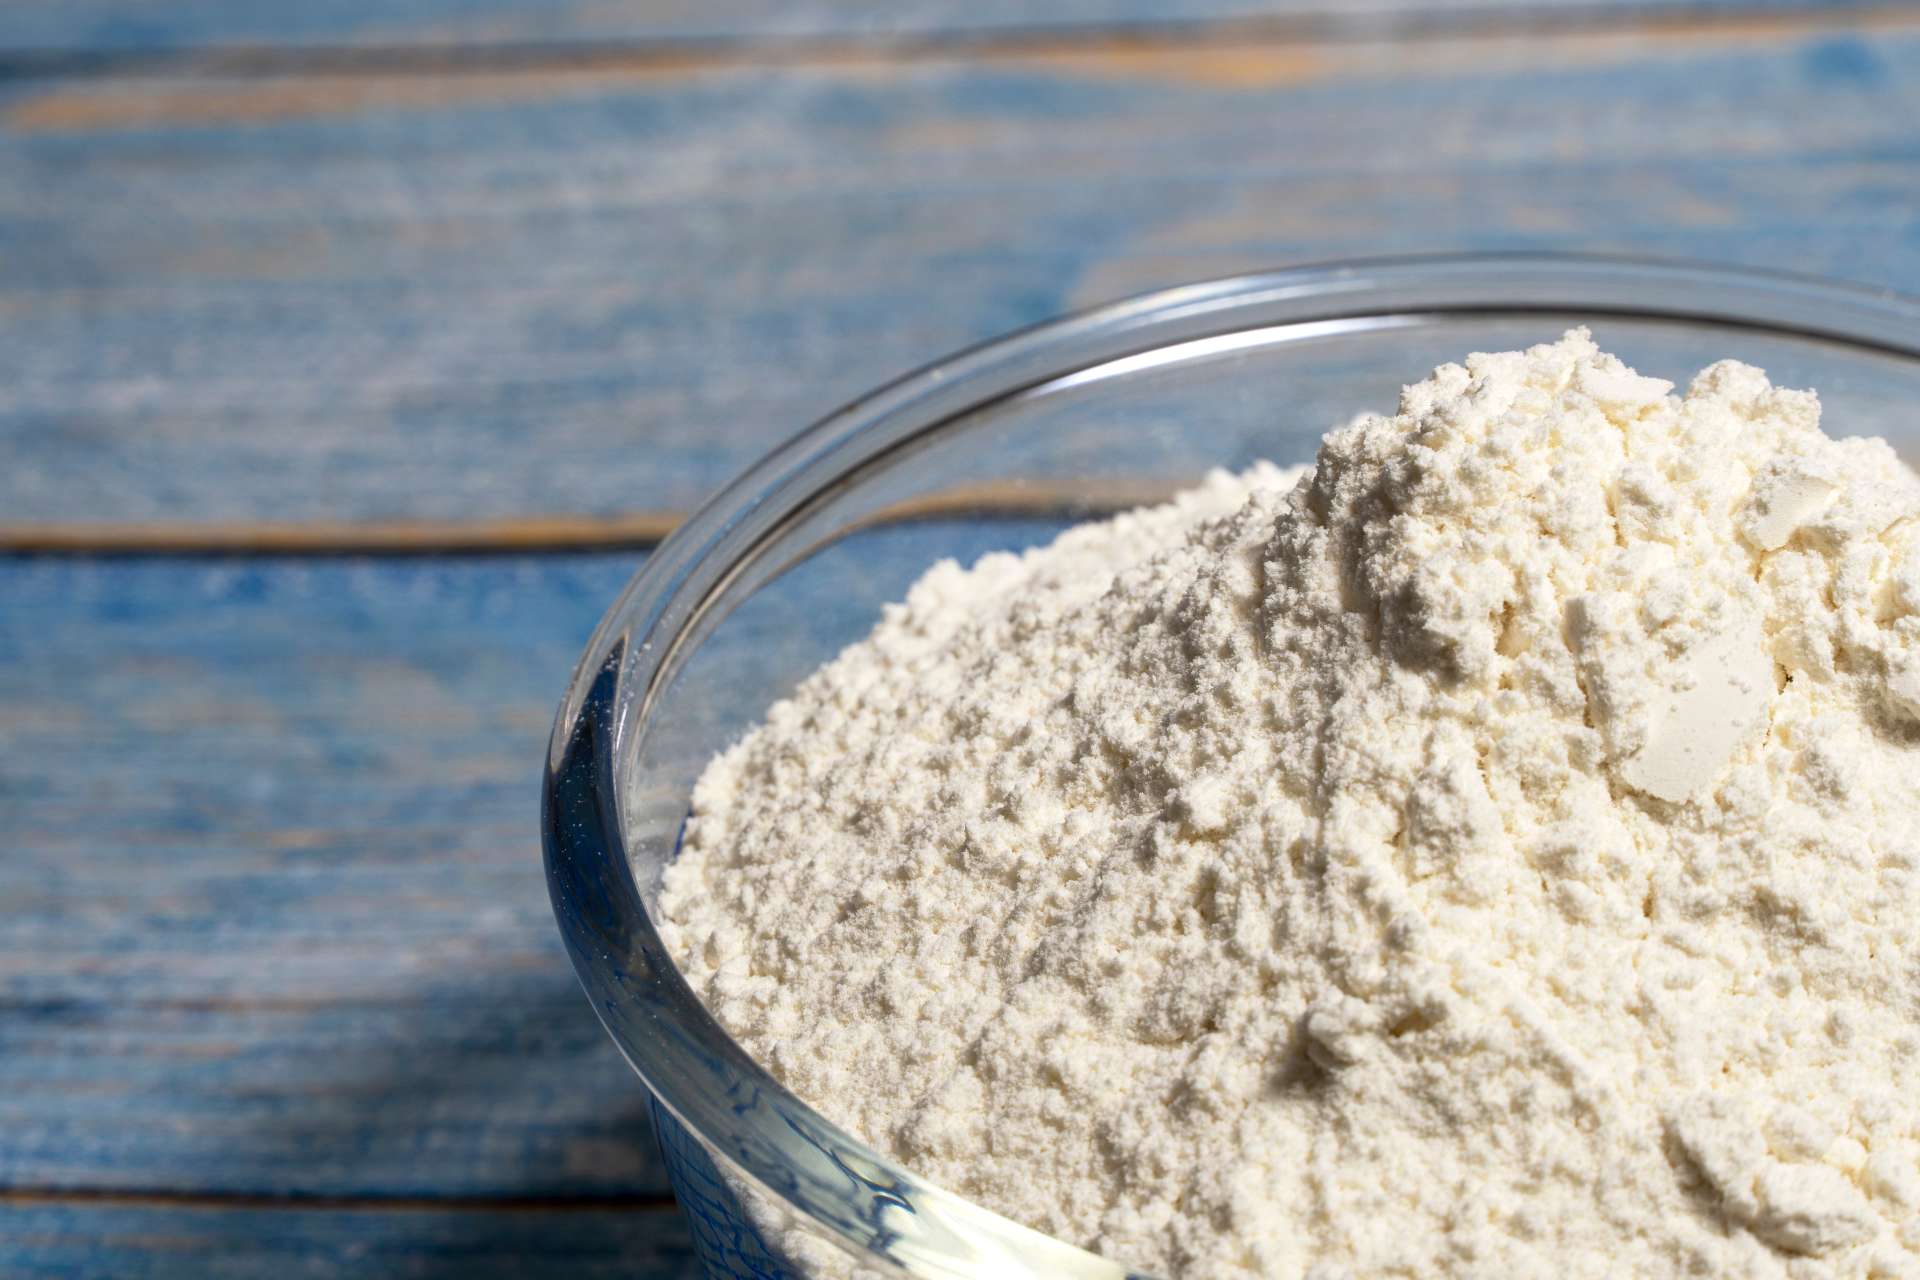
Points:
[[1493, 855]]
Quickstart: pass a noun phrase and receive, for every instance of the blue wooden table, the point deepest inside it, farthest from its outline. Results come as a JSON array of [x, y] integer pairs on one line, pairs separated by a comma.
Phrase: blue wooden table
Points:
[[351, 353]]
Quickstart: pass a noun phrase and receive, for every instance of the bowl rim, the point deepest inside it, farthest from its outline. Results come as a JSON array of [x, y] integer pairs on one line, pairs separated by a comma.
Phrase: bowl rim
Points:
[[682, 1054]]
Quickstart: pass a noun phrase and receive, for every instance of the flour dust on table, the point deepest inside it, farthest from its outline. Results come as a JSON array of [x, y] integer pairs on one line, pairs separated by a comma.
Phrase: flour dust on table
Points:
[[1489, 852]]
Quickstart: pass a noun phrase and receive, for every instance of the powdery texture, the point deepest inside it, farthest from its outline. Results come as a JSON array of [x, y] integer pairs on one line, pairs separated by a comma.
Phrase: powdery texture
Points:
[[1493, 854]]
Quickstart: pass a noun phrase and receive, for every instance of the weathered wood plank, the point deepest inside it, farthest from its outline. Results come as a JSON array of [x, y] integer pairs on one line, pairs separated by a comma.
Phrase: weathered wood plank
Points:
[[140, 26], [172, 1242], [484, 1087], [271, 912], [473, 297]]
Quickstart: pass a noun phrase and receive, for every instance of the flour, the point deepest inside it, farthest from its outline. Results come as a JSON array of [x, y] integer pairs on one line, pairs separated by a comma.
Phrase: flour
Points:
[[1491, 853]]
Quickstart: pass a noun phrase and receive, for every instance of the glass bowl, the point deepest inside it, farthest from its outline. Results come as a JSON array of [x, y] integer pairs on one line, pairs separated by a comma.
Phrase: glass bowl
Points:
[[1001, 447]]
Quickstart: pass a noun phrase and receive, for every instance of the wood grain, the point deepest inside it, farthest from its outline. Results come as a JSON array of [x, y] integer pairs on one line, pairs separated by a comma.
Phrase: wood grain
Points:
[[170, 1242], [141, 27], [600, 291], [274, 921]]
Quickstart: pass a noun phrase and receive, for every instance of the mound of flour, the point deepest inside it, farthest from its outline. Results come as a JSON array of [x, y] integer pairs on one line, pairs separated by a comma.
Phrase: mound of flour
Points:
[[1492, 852]]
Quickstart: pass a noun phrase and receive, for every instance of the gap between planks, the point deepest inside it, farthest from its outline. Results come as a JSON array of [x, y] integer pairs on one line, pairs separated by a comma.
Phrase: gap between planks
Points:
[[394, 537], [523, 535], [221, 1201], [683, 55]]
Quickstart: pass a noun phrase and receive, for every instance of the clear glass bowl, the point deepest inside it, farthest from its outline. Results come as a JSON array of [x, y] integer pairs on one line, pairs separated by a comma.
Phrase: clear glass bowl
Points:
[[1002, 447]]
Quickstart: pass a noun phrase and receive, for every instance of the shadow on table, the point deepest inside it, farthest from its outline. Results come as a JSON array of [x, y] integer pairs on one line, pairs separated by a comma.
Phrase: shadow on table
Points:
[[492, 1129]]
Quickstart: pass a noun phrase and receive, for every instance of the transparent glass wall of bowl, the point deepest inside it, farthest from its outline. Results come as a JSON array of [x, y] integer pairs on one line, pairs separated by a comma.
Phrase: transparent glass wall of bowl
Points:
[[998, 450], [732, 1242]]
